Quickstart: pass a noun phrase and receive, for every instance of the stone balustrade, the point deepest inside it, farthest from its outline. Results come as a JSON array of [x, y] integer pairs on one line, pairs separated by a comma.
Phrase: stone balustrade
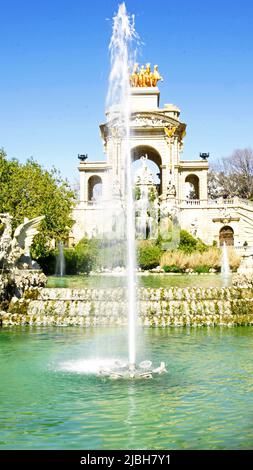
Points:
[[234, 201]]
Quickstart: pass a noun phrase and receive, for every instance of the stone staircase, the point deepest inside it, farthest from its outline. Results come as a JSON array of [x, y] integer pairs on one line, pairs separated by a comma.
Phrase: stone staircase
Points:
[[245, 212]]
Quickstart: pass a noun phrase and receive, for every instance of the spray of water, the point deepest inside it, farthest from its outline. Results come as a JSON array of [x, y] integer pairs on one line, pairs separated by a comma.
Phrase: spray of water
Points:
[[60, 262], [225, 268], [123, 41], [121, 46]]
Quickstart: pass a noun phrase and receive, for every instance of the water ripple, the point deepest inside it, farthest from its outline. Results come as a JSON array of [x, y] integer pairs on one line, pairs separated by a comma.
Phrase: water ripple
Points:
[[49, 398]]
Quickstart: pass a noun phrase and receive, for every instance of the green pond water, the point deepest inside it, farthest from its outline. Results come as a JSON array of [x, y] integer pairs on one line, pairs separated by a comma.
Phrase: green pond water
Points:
[[49, 400], [157, 280]]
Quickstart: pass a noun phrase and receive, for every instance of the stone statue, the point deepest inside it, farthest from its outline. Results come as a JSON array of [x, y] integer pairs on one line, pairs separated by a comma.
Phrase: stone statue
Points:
[[171, 190], [18, 271], [144, 175], [116, 191], [5, 236], [13, 249], [24, 235], [194, 227]]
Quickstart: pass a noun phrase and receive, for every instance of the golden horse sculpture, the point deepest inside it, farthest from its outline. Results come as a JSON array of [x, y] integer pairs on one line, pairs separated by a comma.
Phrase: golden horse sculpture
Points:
[[144, 77]]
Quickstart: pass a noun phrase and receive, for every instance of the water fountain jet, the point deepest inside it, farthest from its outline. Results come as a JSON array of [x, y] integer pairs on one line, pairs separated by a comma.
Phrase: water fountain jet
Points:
[[225, 268], [60, 262], [119, 93], [119, 112]]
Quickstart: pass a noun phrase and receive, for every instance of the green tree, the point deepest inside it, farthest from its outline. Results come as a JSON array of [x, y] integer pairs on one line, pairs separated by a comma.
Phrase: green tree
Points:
[[29, 190]]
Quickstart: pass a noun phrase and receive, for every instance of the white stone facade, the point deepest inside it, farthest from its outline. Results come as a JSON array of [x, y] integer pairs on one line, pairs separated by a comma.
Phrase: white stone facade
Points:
[[157, 133]]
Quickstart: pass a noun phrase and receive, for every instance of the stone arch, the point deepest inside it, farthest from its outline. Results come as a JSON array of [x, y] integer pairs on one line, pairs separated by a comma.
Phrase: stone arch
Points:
[[193, 182], [226, 234], [141, 150], [94, 188]]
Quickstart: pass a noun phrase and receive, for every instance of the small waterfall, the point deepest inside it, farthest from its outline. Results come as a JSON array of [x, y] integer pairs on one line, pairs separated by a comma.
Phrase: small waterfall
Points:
[[60, 262], [225, 269]]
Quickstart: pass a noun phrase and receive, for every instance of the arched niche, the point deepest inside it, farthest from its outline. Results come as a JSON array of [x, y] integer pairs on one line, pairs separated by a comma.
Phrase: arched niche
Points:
[[94, 188], [154, 156], [192, 186], [226, 235]]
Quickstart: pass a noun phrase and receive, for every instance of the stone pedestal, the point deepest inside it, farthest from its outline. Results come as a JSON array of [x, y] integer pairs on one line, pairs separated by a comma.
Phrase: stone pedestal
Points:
[[144, 99]]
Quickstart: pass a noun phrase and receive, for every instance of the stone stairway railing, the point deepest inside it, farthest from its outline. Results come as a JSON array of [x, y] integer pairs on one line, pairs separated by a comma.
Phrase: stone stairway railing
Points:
[[219, 202]]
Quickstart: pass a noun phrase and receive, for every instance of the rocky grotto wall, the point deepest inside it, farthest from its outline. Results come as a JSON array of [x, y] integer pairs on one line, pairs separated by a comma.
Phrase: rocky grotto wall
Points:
[[156, 307]]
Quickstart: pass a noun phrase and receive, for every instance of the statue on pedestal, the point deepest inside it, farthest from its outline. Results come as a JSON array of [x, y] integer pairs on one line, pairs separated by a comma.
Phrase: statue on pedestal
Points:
[[116, 191], [171, 190], [143, 77], [144, 175], [18, 271], [194, 228]]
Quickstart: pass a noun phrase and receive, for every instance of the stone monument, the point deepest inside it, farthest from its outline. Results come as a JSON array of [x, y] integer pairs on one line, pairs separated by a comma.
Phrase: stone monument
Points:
[[158, 133], [19, 273]]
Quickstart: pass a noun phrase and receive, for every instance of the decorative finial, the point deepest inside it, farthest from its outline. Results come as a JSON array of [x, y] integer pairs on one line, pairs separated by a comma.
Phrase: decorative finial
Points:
[[204, 156], [83, 157]]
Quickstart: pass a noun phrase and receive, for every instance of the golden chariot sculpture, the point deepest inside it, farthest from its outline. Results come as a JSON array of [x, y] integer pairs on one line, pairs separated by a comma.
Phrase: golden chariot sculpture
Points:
[[144, 77]]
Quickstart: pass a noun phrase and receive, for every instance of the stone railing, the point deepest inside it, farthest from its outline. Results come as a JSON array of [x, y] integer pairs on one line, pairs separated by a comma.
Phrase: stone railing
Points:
[[173, 306], [234, 201], [244, 250], [191, 202], [221, 201], [245, 201], [209, 202]]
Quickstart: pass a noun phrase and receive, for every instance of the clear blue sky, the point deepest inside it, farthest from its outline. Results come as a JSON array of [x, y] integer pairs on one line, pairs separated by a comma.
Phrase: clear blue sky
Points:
[[55, 65]]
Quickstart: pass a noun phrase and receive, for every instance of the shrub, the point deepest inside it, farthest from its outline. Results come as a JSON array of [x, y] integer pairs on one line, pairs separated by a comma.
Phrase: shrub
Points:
[[82, 258], [202, 269], [111, 254], [70, 256], [210, 258], [172, 269], [201, 246], [148, 255], [137, 193], [48, 263], [86, 254], [189, 244]]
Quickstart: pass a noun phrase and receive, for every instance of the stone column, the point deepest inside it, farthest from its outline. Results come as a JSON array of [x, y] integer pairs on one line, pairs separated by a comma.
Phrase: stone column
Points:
[[83, 185], [203, 185], [164, 180]]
